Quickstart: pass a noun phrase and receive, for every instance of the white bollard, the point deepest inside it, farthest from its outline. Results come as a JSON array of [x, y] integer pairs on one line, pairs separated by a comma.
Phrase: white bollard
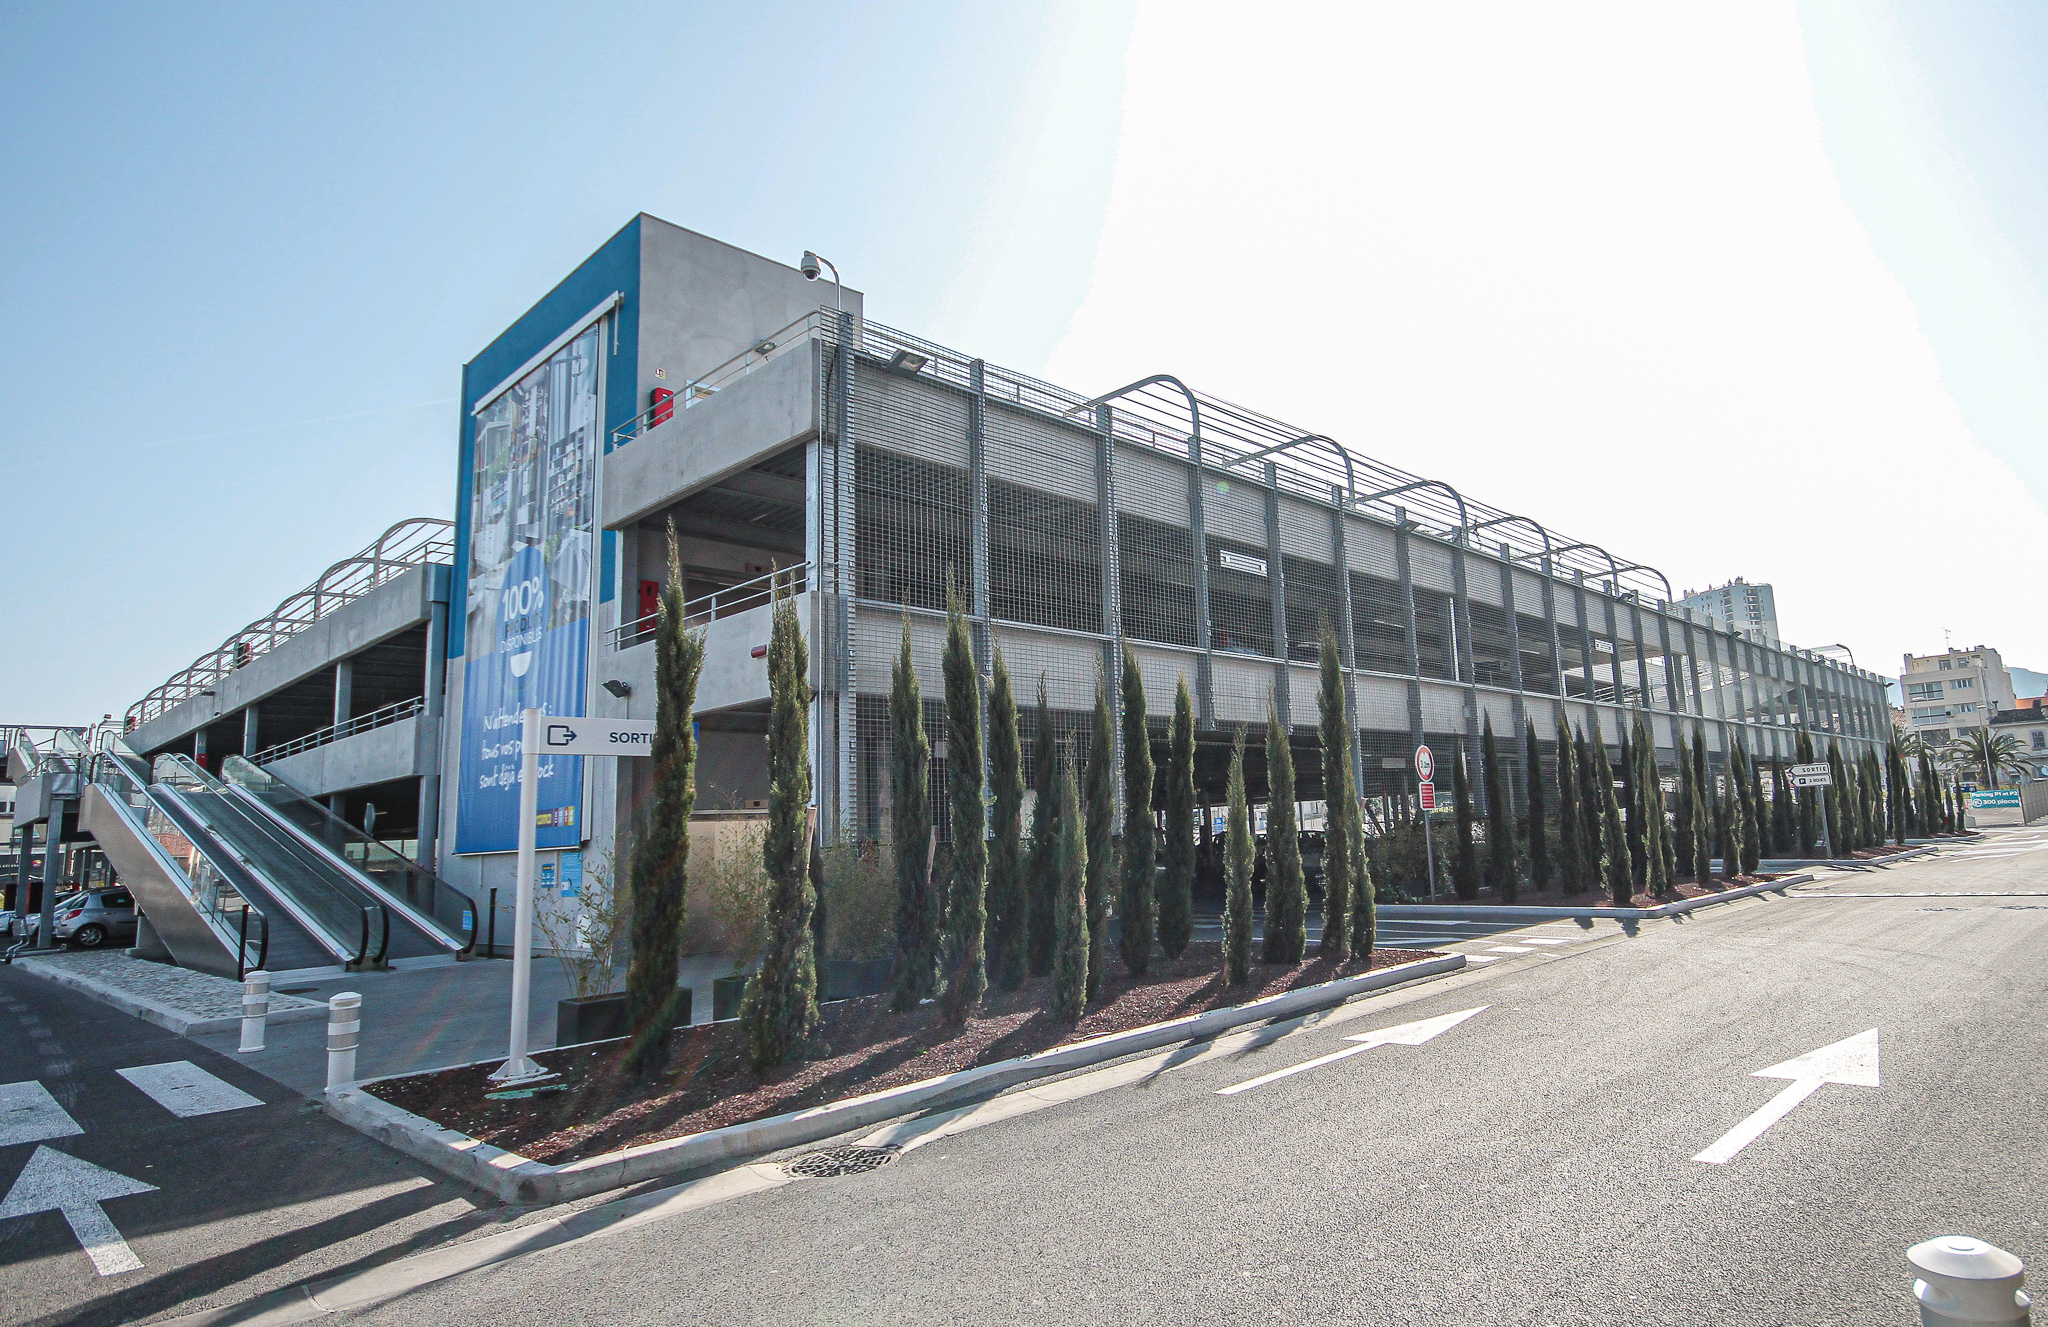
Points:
[[1966, 1281], [344, 1026], [255, 1009]]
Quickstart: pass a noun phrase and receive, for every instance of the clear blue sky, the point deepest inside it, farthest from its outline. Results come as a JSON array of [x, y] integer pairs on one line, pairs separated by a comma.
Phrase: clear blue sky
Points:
[[249, 247]]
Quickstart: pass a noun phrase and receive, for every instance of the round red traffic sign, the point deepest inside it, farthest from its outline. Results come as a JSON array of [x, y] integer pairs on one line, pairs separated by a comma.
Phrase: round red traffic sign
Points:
[[1425, 764]]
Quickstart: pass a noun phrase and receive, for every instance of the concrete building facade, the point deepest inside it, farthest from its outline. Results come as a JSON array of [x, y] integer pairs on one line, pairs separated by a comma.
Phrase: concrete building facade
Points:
[[677, 406], [1948, 694], [1748, 608]]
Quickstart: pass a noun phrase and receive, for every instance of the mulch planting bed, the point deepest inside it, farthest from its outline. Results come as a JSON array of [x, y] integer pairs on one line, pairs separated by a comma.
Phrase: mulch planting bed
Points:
[[859, 1047]]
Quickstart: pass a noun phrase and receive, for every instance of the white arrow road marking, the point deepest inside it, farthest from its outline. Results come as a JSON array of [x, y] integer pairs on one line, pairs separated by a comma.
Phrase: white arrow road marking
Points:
[[1405, 1034], [29, 1114], [1852, 1061], [53, 1181], [185, 1090]]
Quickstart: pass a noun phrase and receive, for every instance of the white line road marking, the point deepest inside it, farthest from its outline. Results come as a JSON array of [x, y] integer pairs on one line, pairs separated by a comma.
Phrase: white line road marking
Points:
[[1852, 1060], [1405, 1034], [29, 1114], [1507, 949], [1539, 940], [185, 1090], [53, 1181], [1481, 958]]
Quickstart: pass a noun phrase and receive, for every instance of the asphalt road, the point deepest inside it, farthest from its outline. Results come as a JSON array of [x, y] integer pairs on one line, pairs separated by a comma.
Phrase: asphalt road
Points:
[[1533, 1164], [244, 1199]]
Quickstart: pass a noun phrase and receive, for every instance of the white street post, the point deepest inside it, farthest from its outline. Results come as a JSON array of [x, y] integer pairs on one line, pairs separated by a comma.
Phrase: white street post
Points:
[[344, 1031], [255, 1009], [518, 1067], [1966, 1281]]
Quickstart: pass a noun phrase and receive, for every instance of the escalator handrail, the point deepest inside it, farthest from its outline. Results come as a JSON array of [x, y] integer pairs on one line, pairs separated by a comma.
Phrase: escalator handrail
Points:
[[207, 782], [439, 882], [242, 968], [386, 901], [96, 772]]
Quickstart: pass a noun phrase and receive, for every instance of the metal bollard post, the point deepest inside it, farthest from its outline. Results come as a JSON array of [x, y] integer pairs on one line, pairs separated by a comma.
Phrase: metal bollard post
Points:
[[255, 1009], [344, 1027], [1966, 1281]]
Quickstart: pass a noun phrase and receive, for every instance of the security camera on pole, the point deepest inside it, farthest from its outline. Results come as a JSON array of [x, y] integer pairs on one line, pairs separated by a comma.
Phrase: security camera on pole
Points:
[[555, 737]]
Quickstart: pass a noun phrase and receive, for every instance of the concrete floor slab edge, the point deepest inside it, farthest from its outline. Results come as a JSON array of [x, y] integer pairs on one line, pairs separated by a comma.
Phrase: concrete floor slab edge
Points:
[[152, 1011], [1505, 912], [517, 1179]]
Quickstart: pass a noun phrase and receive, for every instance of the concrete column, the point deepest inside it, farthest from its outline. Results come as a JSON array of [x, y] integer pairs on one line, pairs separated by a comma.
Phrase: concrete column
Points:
[[1347, 639], [977, 523], [249, 733], [1112, 585], [435, 692], [17, 888], [1198, 525], [1407, 579], [1276, 584], [344, 689], [53, 867], [1461, 664], [842, 583], [1518, 788]]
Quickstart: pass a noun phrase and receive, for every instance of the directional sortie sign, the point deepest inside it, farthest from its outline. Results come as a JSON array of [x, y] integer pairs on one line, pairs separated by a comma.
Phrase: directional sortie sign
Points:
[[596, 737]]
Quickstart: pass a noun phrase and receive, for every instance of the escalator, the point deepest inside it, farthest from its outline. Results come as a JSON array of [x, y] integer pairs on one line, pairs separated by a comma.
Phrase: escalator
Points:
[[443, 916], [234, 877]]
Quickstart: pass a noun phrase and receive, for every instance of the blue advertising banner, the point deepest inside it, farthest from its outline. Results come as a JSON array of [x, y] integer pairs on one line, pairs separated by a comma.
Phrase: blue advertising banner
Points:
[[533, 499]]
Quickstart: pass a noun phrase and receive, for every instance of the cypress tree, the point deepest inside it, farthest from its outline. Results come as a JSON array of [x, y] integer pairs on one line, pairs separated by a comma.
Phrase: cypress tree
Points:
[[1099, 792], [1592, 828], [1340, 803], [910, 820], [1238, 849], [1807, 826], [1286, 889], [661, 857], [1465, 865], [1177, 880], [1836, 802], [1632, 807], [1007, 925], [1682, 813], [1041, 876], [1650, 797], [1137, 906], [1782, 831], [1620, 887], [1732, 810], [963, 956], [1752, 817], [1571, 838], [1702, 845], [780, 1006], [1070, 902], [1500, 819], [1539, 831]]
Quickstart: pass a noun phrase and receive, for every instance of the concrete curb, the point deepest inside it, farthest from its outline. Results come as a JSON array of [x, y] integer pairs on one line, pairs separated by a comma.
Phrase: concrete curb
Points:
[[162, 1015], [1517, 912], [516, 1179]]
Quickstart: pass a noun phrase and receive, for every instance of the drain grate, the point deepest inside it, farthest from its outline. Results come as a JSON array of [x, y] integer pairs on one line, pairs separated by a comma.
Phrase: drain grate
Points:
[[832, 1162]]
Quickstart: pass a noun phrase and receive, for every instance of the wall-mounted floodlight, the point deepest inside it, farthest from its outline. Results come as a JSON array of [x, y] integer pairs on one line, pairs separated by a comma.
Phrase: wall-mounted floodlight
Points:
[[908, 361], [618, 688], [813, 264]]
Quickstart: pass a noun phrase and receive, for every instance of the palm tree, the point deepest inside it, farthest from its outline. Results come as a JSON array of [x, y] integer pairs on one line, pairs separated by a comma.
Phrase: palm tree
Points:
[[1985, 754]]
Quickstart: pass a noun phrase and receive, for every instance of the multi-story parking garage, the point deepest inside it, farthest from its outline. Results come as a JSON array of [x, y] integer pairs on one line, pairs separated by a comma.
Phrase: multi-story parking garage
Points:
[[676, 383]]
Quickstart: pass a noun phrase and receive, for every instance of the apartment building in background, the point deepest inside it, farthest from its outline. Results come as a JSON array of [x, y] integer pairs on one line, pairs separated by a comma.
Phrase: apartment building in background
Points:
[[1949, 693], [1750, 609]]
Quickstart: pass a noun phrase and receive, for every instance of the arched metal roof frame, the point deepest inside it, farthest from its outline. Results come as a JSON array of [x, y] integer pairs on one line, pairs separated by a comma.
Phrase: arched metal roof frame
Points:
[[416, 542]]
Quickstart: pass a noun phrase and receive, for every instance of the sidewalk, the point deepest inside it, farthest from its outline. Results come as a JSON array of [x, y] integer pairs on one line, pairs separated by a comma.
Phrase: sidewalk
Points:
[[423, 1018]]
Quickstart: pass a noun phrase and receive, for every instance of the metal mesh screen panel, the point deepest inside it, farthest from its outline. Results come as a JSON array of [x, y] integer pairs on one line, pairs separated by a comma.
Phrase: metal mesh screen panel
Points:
[[1492, 656], [1378, 624], [1314, 605], [1369, 547], [1044, 558], [1156, 567], [1240, 601], [1435, 634], [1304, 530], [1539, 669], [911, 527]]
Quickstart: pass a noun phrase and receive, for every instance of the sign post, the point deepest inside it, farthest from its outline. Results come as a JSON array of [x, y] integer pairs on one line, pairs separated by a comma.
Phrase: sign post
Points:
[[558, 737], [1817, 776], [1425, 791]]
